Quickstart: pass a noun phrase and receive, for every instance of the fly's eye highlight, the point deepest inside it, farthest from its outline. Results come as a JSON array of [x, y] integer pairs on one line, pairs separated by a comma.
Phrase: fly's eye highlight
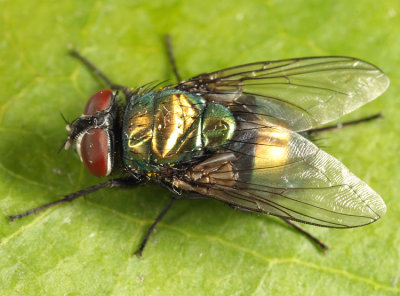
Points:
[[99, 101], [94, 149]]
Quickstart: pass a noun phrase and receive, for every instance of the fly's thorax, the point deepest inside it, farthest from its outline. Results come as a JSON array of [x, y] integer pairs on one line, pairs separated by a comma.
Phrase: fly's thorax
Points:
[[170, 126]]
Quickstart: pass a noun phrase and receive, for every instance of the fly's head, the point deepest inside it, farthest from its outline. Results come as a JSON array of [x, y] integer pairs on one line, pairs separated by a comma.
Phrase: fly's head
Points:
[[93, 133]]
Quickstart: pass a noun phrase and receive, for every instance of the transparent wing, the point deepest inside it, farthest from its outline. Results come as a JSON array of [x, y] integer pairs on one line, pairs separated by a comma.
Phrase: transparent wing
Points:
[[302, 93], [277, 171]]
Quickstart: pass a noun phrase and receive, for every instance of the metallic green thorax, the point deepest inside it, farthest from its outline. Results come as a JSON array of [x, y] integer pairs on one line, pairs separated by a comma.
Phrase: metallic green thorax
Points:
[[168, 127]]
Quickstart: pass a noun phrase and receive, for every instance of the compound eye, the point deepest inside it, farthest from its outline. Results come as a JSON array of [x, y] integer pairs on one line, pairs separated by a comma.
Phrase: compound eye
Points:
[[99, 101], [95, 152]]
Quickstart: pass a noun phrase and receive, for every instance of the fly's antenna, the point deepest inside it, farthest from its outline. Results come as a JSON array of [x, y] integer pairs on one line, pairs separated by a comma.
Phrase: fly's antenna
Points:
[[68, 128], [65, 120]]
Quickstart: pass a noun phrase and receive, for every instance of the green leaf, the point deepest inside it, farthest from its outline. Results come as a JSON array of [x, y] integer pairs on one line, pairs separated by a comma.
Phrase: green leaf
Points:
[[201, 247]]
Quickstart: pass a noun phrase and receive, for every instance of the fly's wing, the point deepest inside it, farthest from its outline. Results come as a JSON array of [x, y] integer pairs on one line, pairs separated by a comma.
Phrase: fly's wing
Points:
[[299, 93], [271, 169]]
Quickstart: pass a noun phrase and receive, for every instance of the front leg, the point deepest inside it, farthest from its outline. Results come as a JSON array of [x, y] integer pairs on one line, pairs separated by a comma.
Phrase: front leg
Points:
[[113, 183], [99, 73]]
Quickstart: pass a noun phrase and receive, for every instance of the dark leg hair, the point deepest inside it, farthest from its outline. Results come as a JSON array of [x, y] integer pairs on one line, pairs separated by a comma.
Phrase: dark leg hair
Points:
[[315, 240], [345, 124], [99, 73], [168, 41], [113, 183], [153, 226]]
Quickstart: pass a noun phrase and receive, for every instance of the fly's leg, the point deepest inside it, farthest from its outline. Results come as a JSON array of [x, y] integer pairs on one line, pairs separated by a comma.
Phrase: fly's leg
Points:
[[323, 247], [99, 73], [168, 41], [153, 226], [113, 183], [315, 240], [345, 124]]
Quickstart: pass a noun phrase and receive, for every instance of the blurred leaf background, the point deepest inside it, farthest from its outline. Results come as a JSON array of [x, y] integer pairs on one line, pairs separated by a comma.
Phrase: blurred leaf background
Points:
[[201, 247]]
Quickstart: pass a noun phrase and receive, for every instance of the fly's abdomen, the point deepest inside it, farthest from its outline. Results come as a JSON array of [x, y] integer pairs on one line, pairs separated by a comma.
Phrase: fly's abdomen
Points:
[[168, 127]]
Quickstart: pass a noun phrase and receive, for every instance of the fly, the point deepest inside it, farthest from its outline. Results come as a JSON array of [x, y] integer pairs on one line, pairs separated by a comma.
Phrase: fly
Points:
[[240, 135]]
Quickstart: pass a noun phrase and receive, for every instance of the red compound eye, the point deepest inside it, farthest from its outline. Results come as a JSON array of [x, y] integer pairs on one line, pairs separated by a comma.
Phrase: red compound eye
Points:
[[99, 101], [95, 152]]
